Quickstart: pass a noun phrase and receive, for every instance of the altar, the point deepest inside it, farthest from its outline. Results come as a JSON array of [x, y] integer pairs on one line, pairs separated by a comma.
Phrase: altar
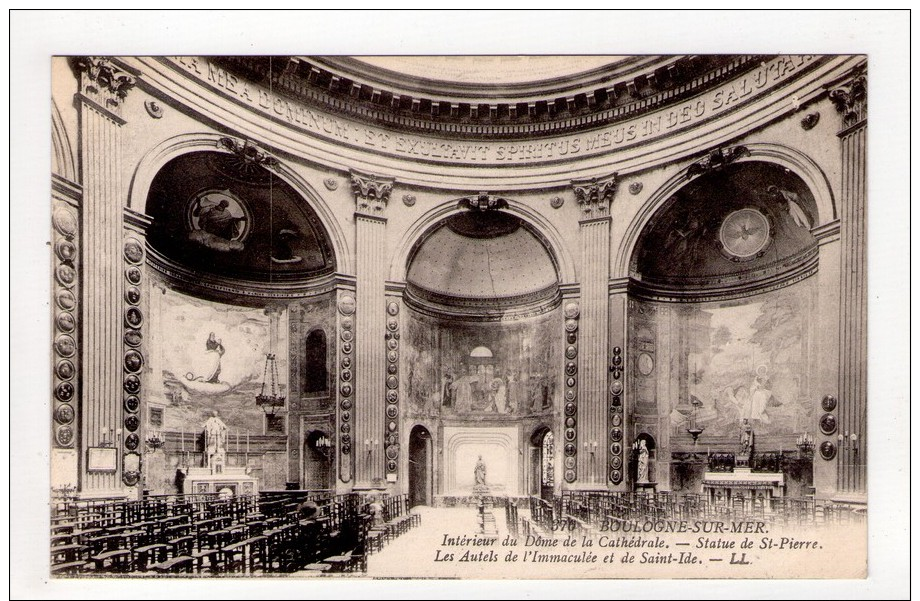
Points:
[[215, 476]]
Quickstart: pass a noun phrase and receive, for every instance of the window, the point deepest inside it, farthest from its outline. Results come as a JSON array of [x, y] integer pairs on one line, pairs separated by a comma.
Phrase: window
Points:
[[316, 375]]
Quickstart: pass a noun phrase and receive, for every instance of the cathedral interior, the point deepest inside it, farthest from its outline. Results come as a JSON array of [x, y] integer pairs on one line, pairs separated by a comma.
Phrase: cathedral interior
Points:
[[302, 303]]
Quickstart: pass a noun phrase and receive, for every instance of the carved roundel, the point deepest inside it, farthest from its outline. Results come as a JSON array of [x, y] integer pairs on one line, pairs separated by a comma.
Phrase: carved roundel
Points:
[[346, 348], [347, 304], [570, 409], [133, 337], [65, 369], [616, 448], [571, 325], [132, 295], [393, 308], [392, 368], [391, 426], [65, 250], [616, 476], [744, 234], [616, 387], [571, 337], [64, 391], [570, 422], [133, 275], [66, 275], [345, 389], [346, 416], [391, 466], [346, 439], [392, 356], [617, 360], [570, 475], [392, 324], [345, 429], [392, 396], [645, 364], [392, 451], [132, 441], [346, 362], [65, 222], [571, 310], [570, 434], [64, 414], [616, 434], [347, 335], [134, 252], [133, 317], [133, 361], [828, 423], [569, 463], [828, 450], [392, 344], [345, 374], [132, 384], [346, 404], [392, 411], [132, 403], [616, 462], [829, 403], [570, 395], [392, 382], [131, 478], [570, 382], [64, 436], [347, 323], [571, 368], [571, 352], [132, 423], [392, 439], [66, 300], [570, 449], [616, 420]]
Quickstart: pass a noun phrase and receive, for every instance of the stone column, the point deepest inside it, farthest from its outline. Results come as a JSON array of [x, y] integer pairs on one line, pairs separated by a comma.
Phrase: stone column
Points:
[[371, 196], [103, 87], [850, 100], [594, 197]]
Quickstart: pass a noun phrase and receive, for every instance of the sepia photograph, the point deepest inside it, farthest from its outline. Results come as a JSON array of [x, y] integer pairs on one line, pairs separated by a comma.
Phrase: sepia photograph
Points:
[[360, 316]]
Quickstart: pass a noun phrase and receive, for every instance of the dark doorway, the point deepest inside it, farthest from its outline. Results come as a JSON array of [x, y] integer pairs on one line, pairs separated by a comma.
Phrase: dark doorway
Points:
[[419, 467], [317, 461], [542, 463]]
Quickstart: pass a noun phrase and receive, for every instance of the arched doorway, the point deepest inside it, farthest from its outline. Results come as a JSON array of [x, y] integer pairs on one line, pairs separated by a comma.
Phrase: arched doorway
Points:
[[419, 467], [317, 461], [542, 463]]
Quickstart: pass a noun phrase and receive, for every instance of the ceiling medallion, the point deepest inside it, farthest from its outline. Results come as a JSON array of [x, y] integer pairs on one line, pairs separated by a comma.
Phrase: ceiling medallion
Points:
[[744, 234]]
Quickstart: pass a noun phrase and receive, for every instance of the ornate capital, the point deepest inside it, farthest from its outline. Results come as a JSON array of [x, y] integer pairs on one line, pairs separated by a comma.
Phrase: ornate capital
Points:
[[594, 196], [850, 99], [250, 156], [717, 159], [102, 80], [372, 193]]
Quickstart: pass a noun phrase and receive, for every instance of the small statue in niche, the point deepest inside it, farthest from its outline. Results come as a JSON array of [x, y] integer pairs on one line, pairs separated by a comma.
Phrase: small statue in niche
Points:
[[642, 469], [479, 474]]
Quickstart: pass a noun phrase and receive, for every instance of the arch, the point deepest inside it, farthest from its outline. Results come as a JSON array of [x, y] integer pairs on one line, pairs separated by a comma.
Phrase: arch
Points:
[[62, 154], [797, 162], [420, 469], [415, 233], [151, 163], [315, 363]]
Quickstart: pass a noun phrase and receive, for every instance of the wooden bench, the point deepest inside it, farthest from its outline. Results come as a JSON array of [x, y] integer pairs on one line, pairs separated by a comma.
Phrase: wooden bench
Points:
[[175, 565], [120, 560]]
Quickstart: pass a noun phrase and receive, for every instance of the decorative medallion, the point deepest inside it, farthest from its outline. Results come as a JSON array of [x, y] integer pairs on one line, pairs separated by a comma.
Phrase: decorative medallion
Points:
[[810, 120], [66, 275], [829, 403], [132, 441], [616, 462], [571, 338], [133, 337], [64, 436], [131, 478], [571, 310], [66, 300], [132, 403], [345, 375], [570, 422], [570, 449], [218, 220], [132, 295], [409, 200], [392, 396], [392, 382], [346, 439], [345, 389], [132, 423], [616, 435], [346, 449], [345, 429], [331, 184], [65, 250], [133, 275], [347, 335], [133, 361], [570, 382], [392, 368], [346, 404], [616, 387], [645, 364], [392, 439], [153, 109], [570, 395], [345, 417], [570, 408], [569, 463], [392, 356], [571, 368], [635, 188], [65, 369], [64, 414], [556, 202], [616, 448], [616, 476], [347, 304], [616, 402], [391, 466], [392, 324], [392, 411], [65, 322], [133, 317], [65, 222], [828, 423], [744, 234], [571, 325], [346, 362], [346, 348], [828, 450], [391, 426], [616, 419], [65, 345], [570, 475], [570, 434], [134, 252], [393, 308], [392, 344], [617, 360], [132, 384], [347, 323], [571, 352]]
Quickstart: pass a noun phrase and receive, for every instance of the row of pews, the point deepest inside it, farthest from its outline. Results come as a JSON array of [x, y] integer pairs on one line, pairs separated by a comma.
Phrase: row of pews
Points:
[[209, 535]]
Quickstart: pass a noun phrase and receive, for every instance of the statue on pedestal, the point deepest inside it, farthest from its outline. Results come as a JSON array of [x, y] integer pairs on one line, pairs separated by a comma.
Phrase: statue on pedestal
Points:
[[642, 471], [215, 443], [479, 473], [747, 440]]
